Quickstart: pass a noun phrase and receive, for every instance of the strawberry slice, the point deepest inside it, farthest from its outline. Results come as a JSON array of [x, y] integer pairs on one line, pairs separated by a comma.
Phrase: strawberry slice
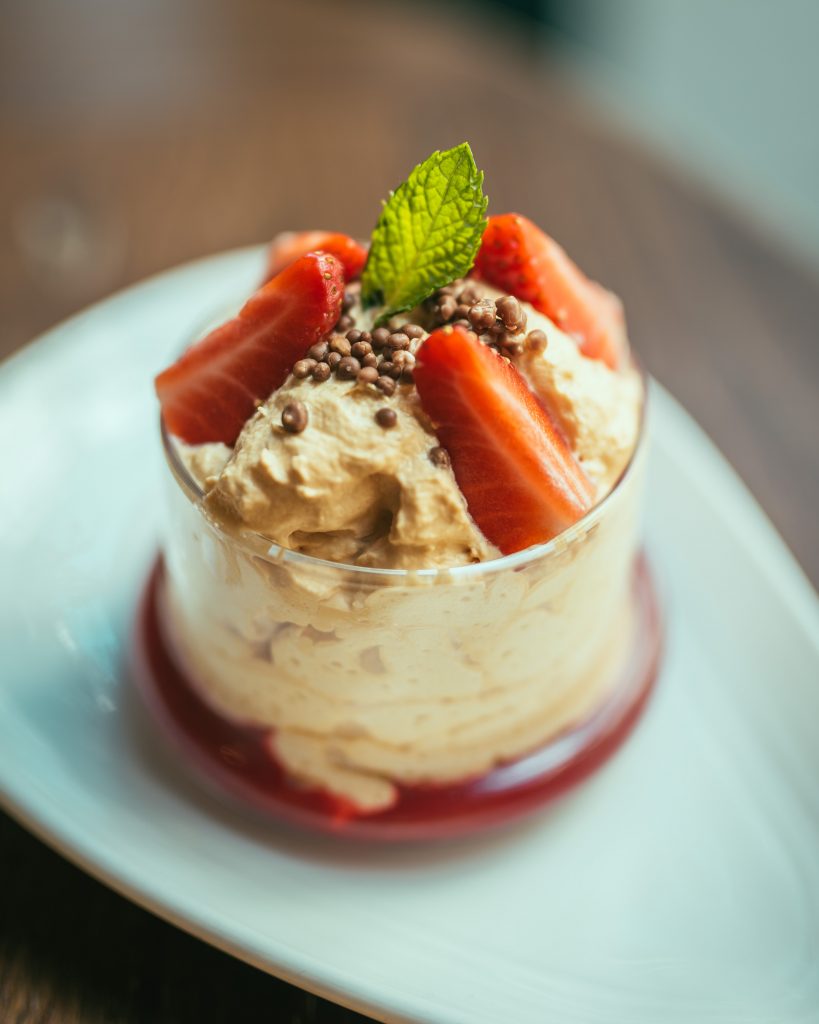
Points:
[[521, 482], [518, 257], [289, 246], [214, 387]]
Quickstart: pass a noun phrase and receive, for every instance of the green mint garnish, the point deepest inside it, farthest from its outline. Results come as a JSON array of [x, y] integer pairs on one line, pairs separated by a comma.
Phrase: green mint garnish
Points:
[[428, 232]]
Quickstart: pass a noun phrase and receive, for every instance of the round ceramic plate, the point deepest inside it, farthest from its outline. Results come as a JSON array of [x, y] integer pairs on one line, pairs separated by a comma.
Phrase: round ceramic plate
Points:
[[680, 883]]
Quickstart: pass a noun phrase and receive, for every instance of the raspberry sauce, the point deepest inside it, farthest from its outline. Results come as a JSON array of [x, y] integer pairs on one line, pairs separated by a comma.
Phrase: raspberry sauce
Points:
[[238, 759]]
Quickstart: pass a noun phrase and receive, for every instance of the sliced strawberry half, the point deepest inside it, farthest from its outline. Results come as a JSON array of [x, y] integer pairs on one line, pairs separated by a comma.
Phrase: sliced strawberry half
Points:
[[518, 257], [214, 387], [521, 482], [289, 246]]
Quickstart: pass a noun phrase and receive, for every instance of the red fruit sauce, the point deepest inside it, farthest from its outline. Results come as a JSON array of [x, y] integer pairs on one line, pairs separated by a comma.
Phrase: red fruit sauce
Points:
[[238, 759]]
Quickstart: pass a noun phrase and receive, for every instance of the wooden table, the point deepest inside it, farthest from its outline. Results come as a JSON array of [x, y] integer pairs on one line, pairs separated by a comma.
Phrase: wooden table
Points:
[[139, 136]]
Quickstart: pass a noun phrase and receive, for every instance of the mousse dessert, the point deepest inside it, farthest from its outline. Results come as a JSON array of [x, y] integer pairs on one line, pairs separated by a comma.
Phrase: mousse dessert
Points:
[[404, 504]]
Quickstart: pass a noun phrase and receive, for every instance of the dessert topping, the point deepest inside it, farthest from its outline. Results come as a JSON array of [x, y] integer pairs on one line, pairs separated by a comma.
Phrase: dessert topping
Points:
[[439, 456], [428, 233], [294, 417], [536, 340], [348, 368], [517, 256], [380, 357], [217, 384], [287, 248], [521, 482], [386, 418]]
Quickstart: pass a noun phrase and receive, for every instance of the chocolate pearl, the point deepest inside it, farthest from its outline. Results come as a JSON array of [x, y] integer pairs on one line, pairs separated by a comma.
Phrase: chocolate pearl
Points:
[[511, 313], [303, 368], [392, 370], [386, 385], [345, 322], [469, 296], [318, 351], [462, 323], [403, 359], [333, 359], [462, 311], [294, 417], [439, 456], [384, 367], [398, 340], [361, 349], [321, 372], [536, 340], [380, 337], [353, 336], [413, 331], [447, 307], [368, 375], [366, 336], [386, 418], [371, 359], [340, 345], [482, 315], [408, 376], [348, 368], [513, 348]]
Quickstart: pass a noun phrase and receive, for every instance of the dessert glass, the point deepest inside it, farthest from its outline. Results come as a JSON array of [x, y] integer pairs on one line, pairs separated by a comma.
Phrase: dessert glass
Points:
[[398, 704]]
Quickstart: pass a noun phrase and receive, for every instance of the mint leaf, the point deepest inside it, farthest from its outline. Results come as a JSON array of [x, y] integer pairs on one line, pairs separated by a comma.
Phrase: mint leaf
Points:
[[428, 232]]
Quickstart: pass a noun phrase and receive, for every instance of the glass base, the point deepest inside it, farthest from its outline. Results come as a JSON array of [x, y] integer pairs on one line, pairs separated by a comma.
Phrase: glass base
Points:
[[238, 759]]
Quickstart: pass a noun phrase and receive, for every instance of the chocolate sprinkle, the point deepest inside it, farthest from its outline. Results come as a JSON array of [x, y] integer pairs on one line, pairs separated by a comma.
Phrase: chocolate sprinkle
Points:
[[398, 340], [536, 341], [318, 351], [380, 337], [348, 368], [340, 345], [303, 368], [386, 418], [294, 417], [361, 349], [439, 456], [511, 313]]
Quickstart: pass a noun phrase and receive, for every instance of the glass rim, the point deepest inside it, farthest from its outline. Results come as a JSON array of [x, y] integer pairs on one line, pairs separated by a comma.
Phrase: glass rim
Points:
[[276, 554]]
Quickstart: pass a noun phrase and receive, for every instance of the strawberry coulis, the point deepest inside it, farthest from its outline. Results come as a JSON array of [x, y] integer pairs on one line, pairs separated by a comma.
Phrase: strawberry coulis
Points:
[[237, 760]]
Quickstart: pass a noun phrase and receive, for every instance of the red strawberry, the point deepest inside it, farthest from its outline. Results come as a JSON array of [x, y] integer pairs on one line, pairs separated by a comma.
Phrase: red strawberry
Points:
[[288, 247], [518, 257], [521, 482], [214, 387]]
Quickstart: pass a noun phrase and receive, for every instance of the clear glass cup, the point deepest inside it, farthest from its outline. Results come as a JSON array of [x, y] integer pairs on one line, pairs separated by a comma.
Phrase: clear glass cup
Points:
[[397, 703]]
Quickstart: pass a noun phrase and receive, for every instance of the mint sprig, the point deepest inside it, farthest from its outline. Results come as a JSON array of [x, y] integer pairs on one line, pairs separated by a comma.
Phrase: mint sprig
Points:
[[428, 232]]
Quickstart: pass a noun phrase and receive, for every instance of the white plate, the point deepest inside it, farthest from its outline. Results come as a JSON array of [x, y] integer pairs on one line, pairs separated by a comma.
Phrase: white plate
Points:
[[680, 884]]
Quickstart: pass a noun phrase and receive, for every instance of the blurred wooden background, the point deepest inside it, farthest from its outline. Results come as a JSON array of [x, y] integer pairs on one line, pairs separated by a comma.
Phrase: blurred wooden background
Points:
[[139, 135]]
